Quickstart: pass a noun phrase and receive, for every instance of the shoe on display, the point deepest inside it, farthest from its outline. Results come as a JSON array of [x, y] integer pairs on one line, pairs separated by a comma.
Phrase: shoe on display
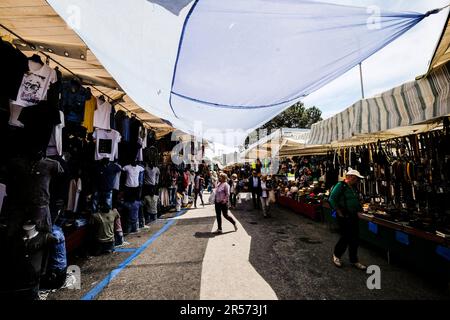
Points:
[[337, 262], [359, 266]]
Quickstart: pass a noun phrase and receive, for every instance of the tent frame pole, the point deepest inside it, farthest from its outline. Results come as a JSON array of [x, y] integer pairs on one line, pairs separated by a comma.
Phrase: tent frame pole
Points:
[[361, 78]]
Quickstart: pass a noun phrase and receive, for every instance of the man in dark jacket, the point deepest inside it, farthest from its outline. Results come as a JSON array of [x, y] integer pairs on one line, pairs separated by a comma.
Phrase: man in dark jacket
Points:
[[254, 186]]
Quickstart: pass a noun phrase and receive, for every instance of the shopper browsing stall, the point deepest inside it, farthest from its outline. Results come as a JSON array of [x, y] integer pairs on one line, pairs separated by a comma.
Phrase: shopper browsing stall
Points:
[[344, 199], [266, 186], [254, 186]]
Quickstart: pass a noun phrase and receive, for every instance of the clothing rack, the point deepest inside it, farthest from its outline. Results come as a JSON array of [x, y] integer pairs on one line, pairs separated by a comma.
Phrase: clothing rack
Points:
[[48, 57]]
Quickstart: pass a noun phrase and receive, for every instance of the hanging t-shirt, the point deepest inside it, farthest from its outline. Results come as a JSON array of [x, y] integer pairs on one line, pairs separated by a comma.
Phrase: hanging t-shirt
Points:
[[102, 116], [104, 225], [35, 84], [133, 173], [55, 144], [117, 181], [14, 65], [151, 176], [2, 195], [41, 174], [75, 188], [89, 110], [39, 122], [107, 142], [135, 126], [112, 120], [106, 176], [143, 135], [126, 128], [73, 99], [140, 156]]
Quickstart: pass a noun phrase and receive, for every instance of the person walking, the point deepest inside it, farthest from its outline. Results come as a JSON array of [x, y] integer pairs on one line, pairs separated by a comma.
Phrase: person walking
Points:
[[214, 179], [174, 186], [254, 186], [221, 202], [191, 182], [344, 200], [198, 188], [186, 179], [234, 190], [266, 186]]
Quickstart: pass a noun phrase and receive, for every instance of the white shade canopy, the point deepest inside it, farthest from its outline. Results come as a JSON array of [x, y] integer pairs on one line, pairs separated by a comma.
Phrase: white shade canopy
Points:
[[223, 68]]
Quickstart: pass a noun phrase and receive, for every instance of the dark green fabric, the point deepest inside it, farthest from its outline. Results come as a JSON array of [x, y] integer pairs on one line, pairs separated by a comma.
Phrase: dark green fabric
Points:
[[345, 198]]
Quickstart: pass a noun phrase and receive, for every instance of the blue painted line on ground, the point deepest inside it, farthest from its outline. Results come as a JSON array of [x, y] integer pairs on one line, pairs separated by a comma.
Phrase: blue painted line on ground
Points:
[[125, 249], [99, 288]]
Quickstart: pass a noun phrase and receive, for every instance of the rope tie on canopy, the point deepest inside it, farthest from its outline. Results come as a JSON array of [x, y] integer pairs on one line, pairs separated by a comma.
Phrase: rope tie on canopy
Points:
[[436, 11]]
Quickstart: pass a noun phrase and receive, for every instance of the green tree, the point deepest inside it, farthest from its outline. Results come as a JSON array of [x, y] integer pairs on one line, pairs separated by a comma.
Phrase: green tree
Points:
[[296, 116]]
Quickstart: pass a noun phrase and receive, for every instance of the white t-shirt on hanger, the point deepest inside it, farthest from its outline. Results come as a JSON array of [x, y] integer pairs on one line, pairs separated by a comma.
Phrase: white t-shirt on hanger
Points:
[[35, 84], [117, 181], [132, 175], [102, 116], [107, 144], [55, 144]]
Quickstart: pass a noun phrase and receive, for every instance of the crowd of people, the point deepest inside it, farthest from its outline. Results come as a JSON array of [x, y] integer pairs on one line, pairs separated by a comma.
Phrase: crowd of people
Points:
[[226, 188]]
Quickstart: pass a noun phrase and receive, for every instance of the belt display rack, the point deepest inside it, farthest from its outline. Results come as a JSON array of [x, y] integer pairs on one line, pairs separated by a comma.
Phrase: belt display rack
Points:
[[405, 194], [407, 179]]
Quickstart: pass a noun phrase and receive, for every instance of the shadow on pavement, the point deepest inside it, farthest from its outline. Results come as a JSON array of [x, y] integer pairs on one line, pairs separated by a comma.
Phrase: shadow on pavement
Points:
[[293, 255]]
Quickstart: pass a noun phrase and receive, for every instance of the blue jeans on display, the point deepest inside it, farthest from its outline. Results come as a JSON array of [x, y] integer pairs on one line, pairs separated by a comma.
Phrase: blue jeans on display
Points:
[[173, 196], [133, 216], [141, 216], [100, 196]]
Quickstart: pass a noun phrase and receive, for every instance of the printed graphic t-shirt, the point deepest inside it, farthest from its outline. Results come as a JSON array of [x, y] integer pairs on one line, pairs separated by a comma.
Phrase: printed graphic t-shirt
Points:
[[107, 144], [35, 84]]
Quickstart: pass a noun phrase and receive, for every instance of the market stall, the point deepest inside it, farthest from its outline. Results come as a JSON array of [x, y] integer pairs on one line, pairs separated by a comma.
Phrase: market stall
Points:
[[399, 142]]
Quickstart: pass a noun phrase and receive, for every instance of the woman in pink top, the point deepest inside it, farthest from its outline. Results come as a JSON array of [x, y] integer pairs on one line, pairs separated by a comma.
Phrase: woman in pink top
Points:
[[221, 202]]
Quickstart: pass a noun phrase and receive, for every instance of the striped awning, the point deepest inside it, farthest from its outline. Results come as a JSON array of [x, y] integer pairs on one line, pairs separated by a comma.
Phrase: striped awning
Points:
[[410, 104]]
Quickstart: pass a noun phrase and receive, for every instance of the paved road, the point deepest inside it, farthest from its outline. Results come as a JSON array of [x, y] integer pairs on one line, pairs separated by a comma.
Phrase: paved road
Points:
[[284, 257]]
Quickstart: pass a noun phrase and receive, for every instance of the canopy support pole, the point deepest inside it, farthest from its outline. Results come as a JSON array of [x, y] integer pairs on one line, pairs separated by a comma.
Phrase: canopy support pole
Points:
[[361, 77]]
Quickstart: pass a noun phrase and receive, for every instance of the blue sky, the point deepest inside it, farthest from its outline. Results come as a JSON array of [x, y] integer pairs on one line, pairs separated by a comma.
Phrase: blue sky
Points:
[[401, 61]]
